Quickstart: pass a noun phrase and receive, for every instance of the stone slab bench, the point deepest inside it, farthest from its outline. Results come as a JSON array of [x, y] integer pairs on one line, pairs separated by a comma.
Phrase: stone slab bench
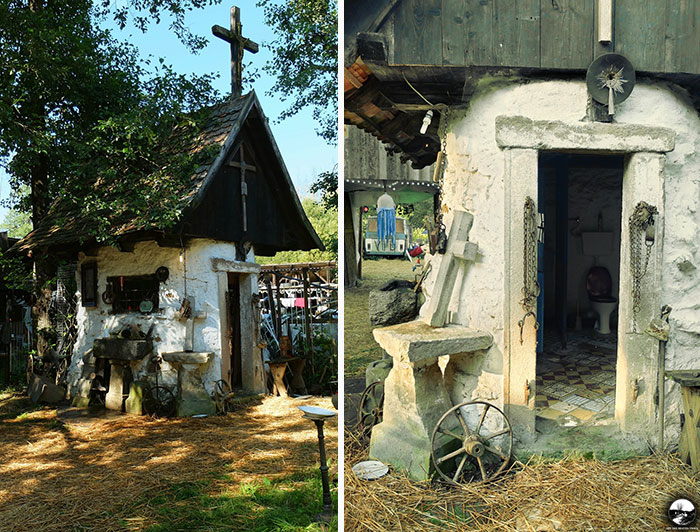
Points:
[[415, 396]]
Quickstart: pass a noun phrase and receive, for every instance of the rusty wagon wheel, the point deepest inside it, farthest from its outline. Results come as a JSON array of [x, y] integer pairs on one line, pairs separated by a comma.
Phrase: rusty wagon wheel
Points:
[[223, 396], [159, 401], [473, 441], [371, 408]]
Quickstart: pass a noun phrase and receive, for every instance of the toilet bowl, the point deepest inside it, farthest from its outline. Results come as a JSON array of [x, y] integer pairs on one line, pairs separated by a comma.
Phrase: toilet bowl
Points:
[[599, 288]]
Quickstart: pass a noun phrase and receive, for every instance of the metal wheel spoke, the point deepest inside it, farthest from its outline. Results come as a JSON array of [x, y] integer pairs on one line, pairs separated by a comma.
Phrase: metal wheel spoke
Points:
[[451, 455], [481, 419], [495, 451], [448, 432], [495, 434], [459, 469], [466, 430], [481, 467]]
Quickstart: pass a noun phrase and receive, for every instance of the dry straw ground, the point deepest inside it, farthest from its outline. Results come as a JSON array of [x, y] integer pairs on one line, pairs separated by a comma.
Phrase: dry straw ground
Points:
[[573, 494], [105, 475]]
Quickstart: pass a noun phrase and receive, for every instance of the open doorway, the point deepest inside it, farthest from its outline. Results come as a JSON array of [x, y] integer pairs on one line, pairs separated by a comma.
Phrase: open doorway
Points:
[[580, 198], [233, 307]]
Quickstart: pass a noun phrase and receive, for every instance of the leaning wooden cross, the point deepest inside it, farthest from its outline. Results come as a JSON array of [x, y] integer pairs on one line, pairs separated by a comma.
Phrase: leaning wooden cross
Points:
[[238, 43], [459, 250]]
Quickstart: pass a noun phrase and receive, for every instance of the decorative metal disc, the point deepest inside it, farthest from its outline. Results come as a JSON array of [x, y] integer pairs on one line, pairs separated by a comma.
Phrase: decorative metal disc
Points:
[[610, 71], [162, 274], [370, 470]]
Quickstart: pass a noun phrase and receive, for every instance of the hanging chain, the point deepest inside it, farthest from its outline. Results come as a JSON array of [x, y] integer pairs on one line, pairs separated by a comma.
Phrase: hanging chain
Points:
[[441, 162], [531, 288], [440, 165], [641, 225]]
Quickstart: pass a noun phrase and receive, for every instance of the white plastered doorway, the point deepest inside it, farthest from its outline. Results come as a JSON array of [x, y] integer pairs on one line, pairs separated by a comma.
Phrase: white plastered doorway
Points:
[[644, 148]]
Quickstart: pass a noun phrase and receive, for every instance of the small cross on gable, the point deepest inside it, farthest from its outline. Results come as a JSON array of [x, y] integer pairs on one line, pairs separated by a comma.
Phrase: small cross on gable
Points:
[[238, 43], [244, 167]]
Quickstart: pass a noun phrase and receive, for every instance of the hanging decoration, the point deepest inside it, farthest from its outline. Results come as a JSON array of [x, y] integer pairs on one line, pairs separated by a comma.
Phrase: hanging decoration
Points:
[[641, 226], [610, 80], [437, 234], [531, 288], [386, 222]]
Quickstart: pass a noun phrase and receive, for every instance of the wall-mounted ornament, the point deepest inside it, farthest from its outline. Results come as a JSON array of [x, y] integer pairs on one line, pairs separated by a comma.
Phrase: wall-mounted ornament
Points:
[[162, 274], [108, 295], [610, 80]]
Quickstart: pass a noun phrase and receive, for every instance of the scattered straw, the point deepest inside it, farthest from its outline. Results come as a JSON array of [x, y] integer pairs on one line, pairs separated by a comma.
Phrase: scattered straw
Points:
[[98, 476], [569, 495]]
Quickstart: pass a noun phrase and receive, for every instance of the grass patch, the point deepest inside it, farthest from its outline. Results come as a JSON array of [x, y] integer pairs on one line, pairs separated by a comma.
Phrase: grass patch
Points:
[[360, 347], [285, 504], [14, 405]]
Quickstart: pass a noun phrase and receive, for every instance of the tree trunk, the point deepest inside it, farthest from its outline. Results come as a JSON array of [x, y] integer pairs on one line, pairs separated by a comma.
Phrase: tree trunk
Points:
[[44, 267]]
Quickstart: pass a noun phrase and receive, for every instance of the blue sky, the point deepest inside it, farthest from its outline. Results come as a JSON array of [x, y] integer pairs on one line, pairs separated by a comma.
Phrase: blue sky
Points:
[[304, 152]]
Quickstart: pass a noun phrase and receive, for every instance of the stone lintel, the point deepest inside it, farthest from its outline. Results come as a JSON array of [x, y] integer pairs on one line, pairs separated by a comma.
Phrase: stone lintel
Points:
[[523, 132], [416, 341], [224, 265]]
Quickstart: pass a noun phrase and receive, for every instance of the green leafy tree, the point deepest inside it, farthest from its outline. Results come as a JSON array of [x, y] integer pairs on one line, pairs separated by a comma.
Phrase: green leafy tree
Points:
[[305, 58], [80, 109], [17, 223], [305, 66], [327, 186]]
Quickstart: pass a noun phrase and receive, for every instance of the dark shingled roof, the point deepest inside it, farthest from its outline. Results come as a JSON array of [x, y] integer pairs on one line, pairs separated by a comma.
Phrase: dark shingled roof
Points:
[[66, 225]]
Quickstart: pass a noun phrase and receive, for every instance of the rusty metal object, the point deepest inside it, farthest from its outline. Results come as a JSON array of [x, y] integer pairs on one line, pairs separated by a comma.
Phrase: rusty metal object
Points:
[[462, 453], [371, 408]]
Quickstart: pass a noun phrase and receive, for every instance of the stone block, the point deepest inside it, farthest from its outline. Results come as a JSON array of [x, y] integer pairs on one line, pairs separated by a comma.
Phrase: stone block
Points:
[[395, 302], [188, 357], [44, 390], [378, 371], [414, 401], [417, 341], [192, 397], [134, 403], [121, 348], [115, 394]]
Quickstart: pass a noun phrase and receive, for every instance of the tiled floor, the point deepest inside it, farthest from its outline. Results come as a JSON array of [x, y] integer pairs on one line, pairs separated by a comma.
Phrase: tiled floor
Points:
[[576, 383]]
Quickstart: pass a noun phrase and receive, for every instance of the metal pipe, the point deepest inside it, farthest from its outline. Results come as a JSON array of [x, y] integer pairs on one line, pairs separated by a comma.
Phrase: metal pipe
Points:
[[327, 503]]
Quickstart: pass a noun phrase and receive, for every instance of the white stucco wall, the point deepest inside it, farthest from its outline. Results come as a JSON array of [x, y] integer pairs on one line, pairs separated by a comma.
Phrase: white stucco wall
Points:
[[169, 333], [474, 181]]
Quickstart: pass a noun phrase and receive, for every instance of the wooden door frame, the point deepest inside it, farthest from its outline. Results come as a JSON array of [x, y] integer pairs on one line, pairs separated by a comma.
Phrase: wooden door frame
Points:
[[252, 369]]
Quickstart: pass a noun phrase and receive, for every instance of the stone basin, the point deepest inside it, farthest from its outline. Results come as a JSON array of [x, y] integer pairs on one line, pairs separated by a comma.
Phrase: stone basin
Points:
[[416, 341], [121, 348], [189, 357]]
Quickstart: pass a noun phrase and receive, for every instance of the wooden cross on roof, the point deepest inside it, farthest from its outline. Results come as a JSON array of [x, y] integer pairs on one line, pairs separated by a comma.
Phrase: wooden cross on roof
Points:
[[238, 43]]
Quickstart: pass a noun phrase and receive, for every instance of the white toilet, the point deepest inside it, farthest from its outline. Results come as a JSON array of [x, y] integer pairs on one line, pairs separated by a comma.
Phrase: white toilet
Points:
[[599, 288]]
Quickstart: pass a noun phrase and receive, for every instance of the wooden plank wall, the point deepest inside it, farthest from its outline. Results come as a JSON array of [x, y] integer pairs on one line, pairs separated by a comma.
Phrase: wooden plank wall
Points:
[[656, 35]]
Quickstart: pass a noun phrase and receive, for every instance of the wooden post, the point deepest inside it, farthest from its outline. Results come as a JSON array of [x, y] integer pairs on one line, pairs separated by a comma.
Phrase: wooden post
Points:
[[271, 302], [279, 308], [307, 317], [238, 43], [361, 250], [604, 40]]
